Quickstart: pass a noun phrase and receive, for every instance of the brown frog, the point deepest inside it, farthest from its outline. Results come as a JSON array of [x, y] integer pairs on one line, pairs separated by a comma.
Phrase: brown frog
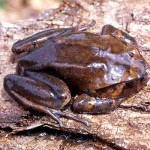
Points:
[[93, 73]]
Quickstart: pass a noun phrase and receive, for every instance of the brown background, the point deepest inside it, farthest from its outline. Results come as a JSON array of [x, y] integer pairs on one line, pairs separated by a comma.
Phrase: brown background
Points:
[[128, 127]]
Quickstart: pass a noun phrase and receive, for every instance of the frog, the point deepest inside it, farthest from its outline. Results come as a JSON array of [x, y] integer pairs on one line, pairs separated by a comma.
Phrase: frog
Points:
[[71, 68]]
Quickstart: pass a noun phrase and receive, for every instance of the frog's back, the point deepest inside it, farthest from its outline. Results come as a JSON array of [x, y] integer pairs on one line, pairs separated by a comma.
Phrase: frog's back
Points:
[[90, 61], [97, 61]]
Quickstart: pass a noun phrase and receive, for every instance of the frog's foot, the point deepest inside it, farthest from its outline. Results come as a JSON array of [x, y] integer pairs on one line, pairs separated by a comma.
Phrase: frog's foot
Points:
[[95, 105], [86, 27], [41, 93], [55, 114]]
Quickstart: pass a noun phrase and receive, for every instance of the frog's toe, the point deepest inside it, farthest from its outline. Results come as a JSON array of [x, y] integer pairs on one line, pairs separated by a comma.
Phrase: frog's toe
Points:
[[69, 116]]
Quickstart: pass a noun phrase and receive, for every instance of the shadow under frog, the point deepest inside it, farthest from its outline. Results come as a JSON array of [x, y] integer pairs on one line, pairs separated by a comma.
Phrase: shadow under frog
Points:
[[93, 73]]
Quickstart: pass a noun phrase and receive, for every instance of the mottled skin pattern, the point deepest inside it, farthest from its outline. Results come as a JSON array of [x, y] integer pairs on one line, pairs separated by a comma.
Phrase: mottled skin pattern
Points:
[[96, 72]]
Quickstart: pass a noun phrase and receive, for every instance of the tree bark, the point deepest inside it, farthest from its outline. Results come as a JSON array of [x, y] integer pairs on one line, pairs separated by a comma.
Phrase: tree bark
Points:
[[128, 127]]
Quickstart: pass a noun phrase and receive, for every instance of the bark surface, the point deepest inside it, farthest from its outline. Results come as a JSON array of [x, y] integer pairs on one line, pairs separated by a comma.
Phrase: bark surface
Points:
[[128, 127]]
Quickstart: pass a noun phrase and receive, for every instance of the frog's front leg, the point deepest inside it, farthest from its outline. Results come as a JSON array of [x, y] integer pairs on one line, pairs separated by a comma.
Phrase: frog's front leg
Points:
[[119, 34], [40, 92], [94, 105]]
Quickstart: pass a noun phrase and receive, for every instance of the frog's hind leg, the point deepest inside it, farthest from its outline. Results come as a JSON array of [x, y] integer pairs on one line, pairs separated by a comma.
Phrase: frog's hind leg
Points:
[[37, 40], [42, 93], [54, 114], [119, 34], [87, 104], [48, 80]]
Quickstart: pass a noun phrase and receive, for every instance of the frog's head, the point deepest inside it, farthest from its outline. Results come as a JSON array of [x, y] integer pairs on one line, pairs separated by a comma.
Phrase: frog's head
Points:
[[124, 63]]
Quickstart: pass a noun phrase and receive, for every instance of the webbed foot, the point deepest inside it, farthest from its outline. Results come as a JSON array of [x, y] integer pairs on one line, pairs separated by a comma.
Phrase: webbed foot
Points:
[[55, 114]]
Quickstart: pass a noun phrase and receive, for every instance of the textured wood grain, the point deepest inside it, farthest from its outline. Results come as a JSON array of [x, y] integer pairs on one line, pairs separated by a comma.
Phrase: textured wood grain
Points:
[[128, 127]]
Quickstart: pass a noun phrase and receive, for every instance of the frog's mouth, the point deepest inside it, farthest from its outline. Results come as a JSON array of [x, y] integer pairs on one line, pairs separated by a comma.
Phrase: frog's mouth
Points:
[[121, 90]]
